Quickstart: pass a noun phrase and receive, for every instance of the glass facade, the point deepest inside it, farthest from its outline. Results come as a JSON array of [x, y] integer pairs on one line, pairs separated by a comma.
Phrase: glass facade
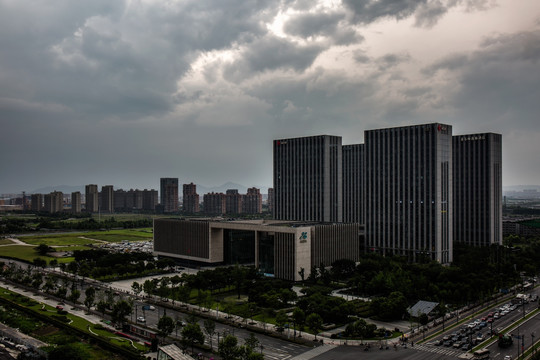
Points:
[[266, 253], [239, 246]]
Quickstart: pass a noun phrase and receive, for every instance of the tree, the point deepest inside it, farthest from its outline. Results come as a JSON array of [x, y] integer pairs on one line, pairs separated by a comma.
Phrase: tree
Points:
[[136, 288], [120, 310], [209, 329], [299, 318], [43, 249], [74, 296], [165, 326], [302, 273], [53, 263], [39, 262], [228, 348], [90, 297], [252, 342], [102, 306], [314, 322], [281, 320], [192, 334]]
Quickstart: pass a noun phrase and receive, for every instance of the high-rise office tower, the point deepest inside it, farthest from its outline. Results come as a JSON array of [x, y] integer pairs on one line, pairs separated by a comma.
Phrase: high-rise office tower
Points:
[[252, 201], [76, 202], [190, 200], [168, 193], [353, 183], [107, 198], [91, 198], [233, 201], [478, 189], [308, 179], [409, 191]]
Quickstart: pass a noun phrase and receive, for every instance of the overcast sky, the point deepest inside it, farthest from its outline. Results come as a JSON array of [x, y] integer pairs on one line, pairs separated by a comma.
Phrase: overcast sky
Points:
[[126, 92]]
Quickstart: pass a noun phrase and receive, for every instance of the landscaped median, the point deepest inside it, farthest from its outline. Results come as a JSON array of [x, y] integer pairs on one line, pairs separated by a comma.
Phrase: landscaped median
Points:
[[82, 328]]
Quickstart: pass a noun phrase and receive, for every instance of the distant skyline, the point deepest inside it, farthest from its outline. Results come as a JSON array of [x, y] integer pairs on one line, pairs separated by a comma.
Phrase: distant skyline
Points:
[[127, 92]]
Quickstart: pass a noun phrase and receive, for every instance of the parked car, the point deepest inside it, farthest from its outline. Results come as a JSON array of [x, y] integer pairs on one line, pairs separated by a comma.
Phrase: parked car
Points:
[[141, 319]]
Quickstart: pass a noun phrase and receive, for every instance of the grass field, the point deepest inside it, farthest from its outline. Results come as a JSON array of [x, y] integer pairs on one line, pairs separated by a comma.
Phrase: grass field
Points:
[[5, 242], [89, 237], [58, 240], [28, 253]]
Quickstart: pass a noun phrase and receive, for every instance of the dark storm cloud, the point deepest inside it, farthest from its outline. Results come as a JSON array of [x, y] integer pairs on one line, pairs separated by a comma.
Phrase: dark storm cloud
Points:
[[426, 12], [272, 53], [328, 25], [498, 83], [115, 60], [367, 11]]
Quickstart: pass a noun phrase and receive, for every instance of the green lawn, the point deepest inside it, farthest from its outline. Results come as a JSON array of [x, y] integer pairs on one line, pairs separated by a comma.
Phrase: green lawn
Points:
[[58, 239], [119, 235], [5, 242], [89, 237], [28, 253]]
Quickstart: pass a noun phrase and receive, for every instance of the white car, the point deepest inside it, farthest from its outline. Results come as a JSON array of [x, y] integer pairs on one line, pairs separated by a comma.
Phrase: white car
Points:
[[141, 319], [507, 357]]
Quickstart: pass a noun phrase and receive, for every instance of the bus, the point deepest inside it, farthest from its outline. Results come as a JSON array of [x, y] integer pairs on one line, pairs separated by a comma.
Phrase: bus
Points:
[[481, 354]]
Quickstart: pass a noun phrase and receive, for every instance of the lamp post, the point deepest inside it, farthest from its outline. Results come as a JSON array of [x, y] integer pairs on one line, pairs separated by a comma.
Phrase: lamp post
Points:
[[532, 343]]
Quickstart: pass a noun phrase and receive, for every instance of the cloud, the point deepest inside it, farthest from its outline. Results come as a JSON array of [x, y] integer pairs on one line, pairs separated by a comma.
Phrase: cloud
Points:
[[325, 25], [271, 53], [497, 84], [426, 12]]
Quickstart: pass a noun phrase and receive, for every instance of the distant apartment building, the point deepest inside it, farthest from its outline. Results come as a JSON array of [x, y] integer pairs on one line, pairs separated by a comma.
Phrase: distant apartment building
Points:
[[76, 202], [214, 203], [168, 193], [54, 202], [233, 202], [270, 200], [252, 201], [121, 200], [107, 199], [91, 198], [478, 189], [149, 199], [308, 179], [36, 202], [353, 183], [408, 185], [190, 199]]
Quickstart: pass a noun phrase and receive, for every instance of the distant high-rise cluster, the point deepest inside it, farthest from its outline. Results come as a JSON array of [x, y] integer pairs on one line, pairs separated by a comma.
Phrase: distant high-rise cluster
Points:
[[233, 203]]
